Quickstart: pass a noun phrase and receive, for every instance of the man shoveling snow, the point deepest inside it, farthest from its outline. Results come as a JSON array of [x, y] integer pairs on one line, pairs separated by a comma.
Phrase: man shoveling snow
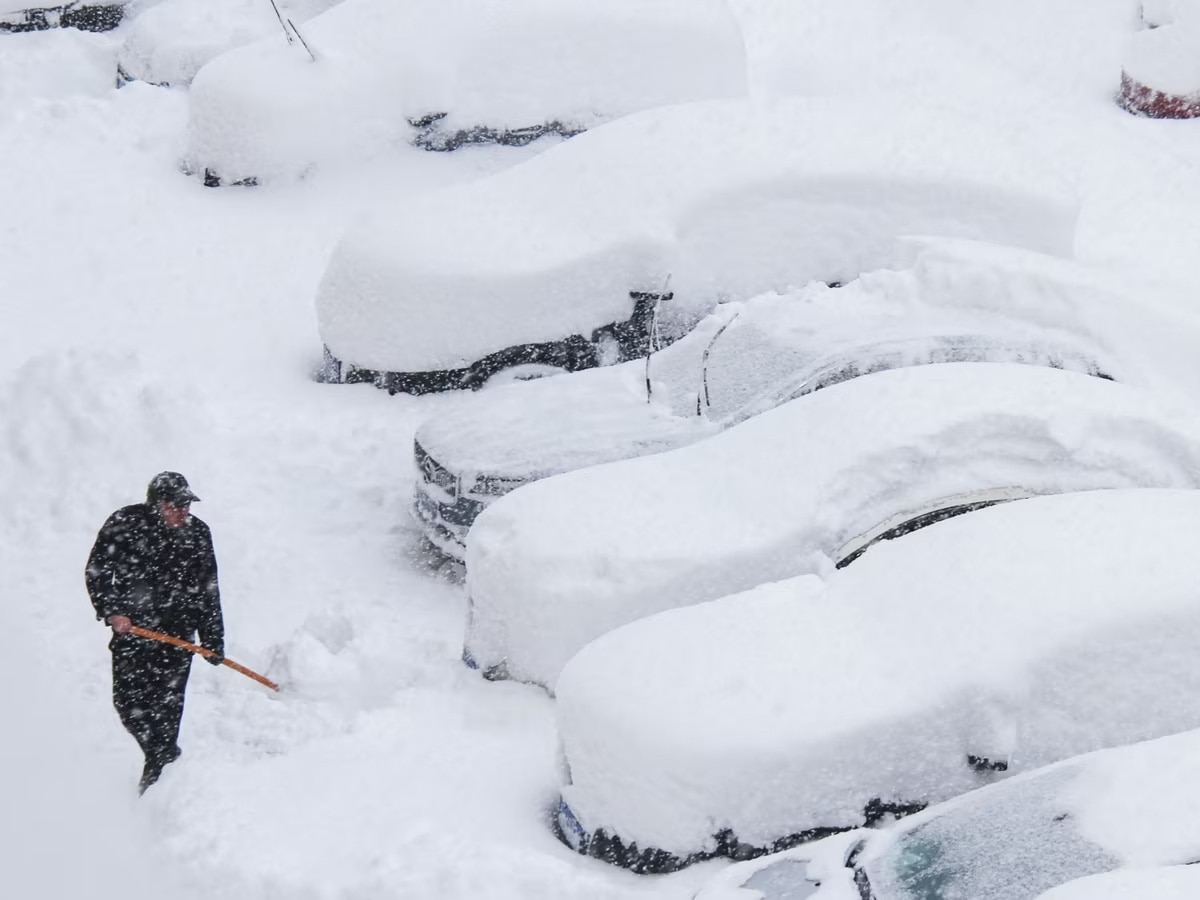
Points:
[[153, 567]]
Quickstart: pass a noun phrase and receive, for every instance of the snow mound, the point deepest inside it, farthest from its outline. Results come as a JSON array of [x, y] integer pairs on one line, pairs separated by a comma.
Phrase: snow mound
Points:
[[561, 561], [268, 110], [169, 43], [55, 63], [313, 661], [728, 198], [1027, 632], [86, 429]]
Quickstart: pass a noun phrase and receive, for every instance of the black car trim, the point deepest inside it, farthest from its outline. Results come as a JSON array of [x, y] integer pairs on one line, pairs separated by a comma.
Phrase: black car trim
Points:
[[612, 849], [87, 17], [573, 353], [431, 136]]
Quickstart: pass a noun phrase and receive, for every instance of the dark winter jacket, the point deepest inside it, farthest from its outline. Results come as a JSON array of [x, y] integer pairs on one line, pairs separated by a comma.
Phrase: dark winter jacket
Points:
[[160, 577]]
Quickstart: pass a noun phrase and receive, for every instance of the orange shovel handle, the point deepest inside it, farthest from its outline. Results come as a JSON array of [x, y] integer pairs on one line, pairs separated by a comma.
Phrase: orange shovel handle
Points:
[[202, 651]]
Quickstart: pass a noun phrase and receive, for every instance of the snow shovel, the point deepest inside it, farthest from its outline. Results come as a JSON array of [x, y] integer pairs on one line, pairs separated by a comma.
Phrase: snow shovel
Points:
[[237, 667]]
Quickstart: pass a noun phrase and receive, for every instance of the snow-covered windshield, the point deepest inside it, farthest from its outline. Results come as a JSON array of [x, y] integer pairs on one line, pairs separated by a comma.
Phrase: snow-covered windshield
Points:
[[1006, 844]]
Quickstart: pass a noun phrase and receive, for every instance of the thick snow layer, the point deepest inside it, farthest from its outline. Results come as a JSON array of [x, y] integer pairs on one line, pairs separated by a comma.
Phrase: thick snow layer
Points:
[[170, 42], [1161, 883], [269, 110], [1044, 628], [769, 350], [728, 198], [1166, 59], [774, 496]]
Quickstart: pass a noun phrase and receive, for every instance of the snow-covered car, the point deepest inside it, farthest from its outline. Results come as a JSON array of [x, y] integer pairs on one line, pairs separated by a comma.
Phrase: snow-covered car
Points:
[[1159, 78], [168, 43], [991, 643], [559, 562], [1108, 825], [563, 260], [953, 304], [97, 15], [369, 75]]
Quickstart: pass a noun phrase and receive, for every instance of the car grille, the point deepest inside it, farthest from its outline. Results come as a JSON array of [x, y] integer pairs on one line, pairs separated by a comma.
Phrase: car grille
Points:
[[433, 472]]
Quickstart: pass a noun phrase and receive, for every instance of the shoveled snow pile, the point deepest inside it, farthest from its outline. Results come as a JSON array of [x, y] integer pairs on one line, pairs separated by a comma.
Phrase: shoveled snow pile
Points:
[[728, 198], [170, 42], [1044, 628], [268, 110], [562, 561]]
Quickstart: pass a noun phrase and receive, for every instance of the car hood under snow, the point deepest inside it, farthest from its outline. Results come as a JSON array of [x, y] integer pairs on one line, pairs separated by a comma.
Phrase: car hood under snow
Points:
[[1031, 631], [773, 496]]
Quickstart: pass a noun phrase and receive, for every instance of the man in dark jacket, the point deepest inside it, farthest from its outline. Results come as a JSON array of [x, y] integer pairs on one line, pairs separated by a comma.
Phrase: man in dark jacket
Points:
[[153, 566]]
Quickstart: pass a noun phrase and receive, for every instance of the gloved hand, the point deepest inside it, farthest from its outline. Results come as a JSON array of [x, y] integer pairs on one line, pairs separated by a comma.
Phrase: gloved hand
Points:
[[216, 659]]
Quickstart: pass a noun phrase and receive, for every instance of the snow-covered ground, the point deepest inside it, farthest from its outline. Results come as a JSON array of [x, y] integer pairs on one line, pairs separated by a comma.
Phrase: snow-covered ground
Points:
[[146, 323]]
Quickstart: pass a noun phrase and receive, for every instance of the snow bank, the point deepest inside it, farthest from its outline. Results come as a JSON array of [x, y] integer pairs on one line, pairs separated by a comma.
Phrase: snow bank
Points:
[[729, 198], [561, 561], [54, 64], [267, 110], [170, 42], [121, 424], [1028, 632]]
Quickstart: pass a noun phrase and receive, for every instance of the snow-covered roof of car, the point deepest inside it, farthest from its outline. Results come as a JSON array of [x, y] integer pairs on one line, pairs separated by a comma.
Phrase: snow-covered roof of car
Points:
[[729, 198], [1036, 630], [767, 498], [268, 110]]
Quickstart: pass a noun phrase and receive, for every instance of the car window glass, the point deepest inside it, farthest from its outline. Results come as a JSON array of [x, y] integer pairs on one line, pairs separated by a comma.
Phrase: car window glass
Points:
[[746, 361], [782, 880], [1002, 845]]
